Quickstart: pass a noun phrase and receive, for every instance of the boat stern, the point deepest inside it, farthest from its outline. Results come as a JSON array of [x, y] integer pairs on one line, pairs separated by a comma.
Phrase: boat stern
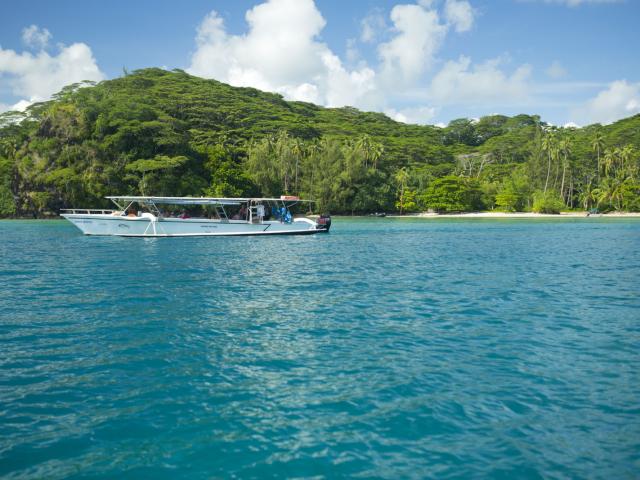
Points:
[[323, 224]]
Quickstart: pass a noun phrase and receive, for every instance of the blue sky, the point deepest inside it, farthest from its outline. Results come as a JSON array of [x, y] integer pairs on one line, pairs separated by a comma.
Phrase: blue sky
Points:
[[430, 61]]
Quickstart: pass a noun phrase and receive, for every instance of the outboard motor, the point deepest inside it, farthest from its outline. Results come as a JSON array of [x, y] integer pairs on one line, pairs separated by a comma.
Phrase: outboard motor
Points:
[[324, 222]]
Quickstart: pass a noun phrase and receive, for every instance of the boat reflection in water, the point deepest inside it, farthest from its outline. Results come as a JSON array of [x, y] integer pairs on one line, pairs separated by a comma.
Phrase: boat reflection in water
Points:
[[175, 217]]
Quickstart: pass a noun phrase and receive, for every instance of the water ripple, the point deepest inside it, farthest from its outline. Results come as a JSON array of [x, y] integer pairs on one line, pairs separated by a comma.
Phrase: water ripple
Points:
[[388, 349]]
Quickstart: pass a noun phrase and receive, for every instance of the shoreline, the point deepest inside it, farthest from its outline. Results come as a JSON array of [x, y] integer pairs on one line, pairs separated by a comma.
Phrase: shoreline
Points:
[[518, 215]]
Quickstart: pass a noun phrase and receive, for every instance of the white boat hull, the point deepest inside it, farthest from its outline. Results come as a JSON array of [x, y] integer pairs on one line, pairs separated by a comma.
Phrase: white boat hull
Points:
[[150, 226]]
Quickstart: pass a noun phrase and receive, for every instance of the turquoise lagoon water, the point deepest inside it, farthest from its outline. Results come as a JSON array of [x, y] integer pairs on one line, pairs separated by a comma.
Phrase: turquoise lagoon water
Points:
[[390, 348]]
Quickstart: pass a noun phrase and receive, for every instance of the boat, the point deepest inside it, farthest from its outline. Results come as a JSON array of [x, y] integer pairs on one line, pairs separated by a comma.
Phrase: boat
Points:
[[140, 216]]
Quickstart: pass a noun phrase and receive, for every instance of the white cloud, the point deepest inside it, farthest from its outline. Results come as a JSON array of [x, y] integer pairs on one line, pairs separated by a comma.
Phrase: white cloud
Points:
[[280, 52], [352, 52], [556, 70], [37, 76], [344, 87], [621, 99], [460, 14], [461, 83], [305, 92], [35, 37], [20, 106], [280, 45], [372, 25], [419, 36], [417, 115]]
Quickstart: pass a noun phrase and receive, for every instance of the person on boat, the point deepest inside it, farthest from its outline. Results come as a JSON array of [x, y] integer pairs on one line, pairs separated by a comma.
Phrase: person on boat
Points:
[[132, 212], [241, 215], [184, 215], [285, 215]]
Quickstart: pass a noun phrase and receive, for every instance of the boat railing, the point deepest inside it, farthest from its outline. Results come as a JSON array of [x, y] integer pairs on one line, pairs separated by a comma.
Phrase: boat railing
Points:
[[88, 211]]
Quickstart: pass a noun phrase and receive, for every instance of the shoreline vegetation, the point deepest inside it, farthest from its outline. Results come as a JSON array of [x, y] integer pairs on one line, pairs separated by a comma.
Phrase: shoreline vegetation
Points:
[[168, 133], [472, 215]]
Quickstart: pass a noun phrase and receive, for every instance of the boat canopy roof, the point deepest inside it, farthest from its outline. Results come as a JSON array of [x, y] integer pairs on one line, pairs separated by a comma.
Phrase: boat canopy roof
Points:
[[196, 200]]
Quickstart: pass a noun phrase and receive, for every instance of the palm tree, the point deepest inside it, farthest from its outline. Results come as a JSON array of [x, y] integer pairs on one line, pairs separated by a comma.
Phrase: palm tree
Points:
[[297, 149], [402, 177], [352, 158], [565, 148], [376, 154], [548, 145], [364, 146], [311, 163], [284, 158], [609, 161], [588, 195], [631, 160], [625, 154], [262, 164], [8, 148], [371, 151], [610, 192], [597, 143], [617, 152]]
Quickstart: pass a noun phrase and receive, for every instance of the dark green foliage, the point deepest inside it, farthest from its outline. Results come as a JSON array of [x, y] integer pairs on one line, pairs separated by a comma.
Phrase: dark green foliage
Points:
[[630, 196], [7, 203], [548, 202], [507, 199], [169, 133], [452, 194], [463, 131]]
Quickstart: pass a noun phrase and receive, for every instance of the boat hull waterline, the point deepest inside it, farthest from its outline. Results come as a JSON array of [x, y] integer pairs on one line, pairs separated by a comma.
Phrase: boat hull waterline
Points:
[[150, 226]]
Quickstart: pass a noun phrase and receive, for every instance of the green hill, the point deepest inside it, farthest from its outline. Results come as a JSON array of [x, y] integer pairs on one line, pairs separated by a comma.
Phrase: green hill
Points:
[[169, 133]]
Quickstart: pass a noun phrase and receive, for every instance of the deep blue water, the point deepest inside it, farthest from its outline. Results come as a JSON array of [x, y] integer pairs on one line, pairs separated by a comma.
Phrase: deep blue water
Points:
[[390, 348]]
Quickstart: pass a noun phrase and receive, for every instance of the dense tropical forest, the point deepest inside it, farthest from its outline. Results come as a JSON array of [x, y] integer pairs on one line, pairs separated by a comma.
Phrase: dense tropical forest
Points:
[[155, 132]]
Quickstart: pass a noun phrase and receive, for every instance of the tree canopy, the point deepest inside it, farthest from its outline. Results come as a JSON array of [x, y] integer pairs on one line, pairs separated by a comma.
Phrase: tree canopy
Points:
[[169, 133]]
